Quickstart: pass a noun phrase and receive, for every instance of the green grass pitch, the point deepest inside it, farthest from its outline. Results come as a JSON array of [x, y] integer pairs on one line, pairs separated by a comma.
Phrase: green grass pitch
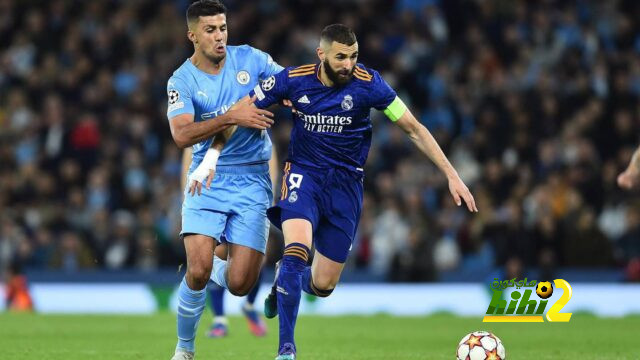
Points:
[[71, 337]]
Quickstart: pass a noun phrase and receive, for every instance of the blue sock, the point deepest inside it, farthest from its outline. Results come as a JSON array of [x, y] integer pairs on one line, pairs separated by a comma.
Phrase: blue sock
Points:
[[289, 285], [216, 297], [219, 271], [191, 304], [251, 296], [306, 280]]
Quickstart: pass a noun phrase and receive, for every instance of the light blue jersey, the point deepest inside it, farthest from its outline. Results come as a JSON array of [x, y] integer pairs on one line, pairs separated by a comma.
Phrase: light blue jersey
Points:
[[236, 203], [192, 91]]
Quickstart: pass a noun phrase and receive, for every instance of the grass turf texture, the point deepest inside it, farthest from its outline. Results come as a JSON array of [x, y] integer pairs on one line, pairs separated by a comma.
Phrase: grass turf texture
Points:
[[70, 337]]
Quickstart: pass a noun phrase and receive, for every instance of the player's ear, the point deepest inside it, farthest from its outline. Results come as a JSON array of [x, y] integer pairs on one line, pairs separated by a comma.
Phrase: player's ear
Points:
[[192, 36], [321, 54]]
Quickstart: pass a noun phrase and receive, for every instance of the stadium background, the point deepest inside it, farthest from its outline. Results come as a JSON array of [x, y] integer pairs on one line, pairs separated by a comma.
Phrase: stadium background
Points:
[[535, 103]]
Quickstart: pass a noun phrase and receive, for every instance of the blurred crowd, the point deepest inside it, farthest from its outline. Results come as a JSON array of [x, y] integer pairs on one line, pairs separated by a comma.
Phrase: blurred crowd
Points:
[[535, 103]]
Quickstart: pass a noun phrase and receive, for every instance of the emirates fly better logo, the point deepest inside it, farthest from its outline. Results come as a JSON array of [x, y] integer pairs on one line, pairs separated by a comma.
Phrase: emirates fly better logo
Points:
[[523, 305]]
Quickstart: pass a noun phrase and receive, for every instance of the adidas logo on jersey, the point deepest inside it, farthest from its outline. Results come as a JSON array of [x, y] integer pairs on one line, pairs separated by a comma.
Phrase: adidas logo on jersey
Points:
[[304, 100], [281, 290]]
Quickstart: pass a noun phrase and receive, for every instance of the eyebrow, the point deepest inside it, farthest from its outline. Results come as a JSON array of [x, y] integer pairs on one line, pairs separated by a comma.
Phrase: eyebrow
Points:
[[204, 26], [347, 55]]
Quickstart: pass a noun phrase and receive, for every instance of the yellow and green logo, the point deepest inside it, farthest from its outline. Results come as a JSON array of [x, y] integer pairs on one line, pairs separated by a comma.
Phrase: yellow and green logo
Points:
[[525, 307]]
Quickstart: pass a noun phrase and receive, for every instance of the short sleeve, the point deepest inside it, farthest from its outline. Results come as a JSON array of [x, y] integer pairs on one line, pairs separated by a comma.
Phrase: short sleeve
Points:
[[267, 67], [271, 90], [178, 98], [382, 94]]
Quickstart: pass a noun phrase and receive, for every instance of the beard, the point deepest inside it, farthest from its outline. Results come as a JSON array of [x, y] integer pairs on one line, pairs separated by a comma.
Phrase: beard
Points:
[[340, 77]]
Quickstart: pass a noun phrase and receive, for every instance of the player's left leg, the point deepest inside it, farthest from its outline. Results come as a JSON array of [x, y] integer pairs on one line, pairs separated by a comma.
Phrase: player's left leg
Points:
[[255, 322], [335, 233], [321, 278], [239, 272], [220, 325]]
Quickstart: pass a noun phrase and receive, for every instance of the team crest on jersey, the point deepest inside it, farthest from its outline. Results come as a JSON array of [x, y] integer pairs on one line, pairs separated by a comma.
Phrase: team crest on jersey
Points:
[[293, 197], [347, 103], [174, 95], [243, 77], [269, 83]]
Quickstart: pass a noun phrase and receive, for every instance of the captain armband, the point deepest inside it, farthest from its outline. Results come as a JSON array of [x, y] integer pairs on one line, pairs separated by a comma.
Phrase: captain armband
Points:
[[395, 110]]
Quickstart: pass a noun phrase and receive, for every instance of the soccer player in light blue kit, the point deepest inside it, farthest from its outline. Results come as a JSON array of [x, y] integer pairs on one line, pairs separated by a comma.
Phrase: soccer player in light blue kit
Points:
[[322, 188], [203, 97], [220, 326]]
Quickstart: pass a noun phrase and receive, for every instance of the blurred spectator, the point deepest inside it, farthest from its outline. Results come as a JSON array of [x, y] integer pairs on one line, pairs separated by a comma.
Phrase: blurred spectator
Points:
[[535, 102], [18, 297]]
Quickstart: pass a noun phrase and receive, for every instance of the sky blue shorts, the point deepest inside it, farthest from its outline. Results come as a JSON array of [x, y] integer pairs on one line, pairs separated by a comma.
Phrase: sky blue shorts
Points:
[[235, 206]]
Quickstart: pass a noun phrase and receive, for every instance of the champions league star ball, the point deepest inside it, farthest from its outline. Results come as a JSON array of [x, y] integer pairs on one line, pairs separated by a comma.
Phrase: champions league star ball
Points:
[[480, 345]]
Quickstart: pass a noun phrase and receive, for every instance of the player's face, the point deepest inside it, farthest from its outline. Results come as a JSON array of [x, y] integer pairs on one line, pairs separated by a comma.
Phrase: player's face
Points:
[[210, 37], [340, 61]]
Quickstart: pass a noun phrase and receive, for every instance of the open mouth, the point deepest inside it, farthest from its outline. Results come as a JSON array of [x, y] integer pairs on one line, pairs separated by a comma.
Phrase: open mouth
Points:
[[220, 48]]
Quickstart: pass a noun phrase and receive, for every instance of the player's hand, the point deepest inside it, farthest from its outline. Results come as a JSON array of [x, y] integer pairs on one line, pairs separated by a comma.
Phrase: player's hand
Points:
[[460, 192], [205, 170], [245, 114], [197, 177], [628, 179], [289, 104]]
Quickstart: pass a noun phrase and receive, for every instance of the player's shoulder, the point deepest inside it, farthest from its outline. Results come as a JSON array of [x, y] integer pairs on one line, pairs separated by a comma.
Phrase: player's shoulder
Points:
[[301, 71], [240, 49], [244, 51], [181, 75], [364, 74]]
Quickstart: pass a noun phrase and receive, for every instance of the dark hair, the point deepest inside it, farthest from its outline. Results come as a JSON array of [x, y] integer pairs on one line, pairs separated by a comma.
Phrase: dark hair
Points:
[[338, 33], [204, 8]]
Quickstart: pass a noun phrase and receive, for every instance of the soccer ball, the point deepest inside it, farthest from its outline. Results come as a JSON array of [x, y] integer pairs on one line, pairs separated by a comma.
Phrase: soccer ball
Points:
[[480, 345], [544, 289]]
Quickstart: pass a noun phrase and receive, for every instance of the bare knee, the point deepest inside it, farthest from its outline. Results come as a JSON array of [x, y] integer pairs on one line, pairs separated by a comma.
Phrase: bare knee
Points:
[[198, 274], [240, 284], [199, 250], [323, 286]]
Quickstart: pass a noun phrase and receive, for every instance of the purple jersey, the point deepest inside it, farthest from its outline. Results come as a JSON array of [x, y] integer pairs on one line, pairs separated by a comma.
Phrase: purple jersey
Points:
[[332, 126]]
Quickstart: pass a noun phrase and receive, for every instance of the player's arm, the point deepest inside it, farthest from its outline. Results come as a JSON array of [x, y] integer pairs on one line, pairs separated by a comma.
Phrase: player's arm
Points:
[[262, 96], [207, 167], [205, 171], [186, 132], [423, 139], [630, 177]]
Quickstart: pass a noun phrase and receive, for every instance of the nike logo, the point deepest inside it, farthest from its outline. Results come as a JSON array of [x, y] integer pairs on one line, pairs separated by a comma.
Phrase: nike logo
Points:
[[202, 93], [304, 100]]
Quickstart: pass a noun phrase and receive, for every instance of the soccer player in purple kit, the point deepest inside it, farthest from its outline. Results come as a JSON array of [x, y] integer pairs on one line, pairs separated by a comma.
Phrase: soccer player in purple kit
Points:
[[322, 187]]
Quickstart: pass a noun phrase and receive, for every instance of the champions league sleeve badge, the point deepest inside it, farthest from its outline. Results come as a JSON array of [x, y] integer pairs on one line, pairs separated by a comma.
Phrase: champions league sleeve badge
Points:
[[347, 103], [174, 95], [243, 77], [269, 83]]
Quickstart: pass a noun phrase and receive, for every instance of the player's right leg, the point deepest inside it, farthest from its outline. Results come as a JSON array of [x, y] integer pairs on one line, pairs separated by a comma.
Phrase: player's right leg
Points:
[[192, 292], [297, 238], [200, 228]]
